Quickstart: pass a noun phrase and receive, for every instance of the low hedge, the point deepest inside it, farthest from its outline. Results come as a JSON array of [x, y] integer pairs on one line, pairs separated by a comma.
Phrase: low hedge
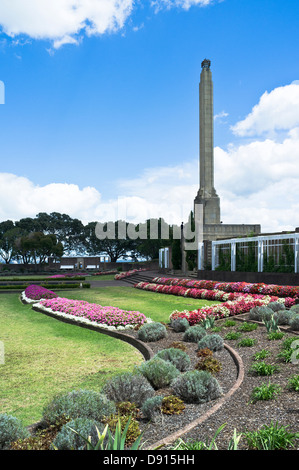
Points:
[[58, 286]]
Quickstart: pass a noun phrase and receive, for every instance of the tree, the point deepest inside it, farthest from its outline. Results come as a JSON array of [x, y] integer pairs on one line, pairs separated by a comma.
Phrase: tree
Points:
[[7, 244], [37, 247], [69, 231]]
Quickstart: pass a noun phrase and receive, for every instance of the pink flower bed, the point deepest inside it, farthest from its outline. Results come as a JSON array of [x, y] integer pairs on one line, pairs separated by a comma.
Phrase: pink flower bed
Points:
[[34, 292], [245, 287], [108, 316], [127, 273], [233, 303], [102, 273]]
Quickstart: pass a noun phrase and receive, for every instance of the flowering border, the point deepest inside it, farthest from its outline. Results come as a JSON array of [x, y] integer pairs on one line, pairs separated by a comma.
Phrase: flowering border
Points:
[[120, 276], [233, 303], [85, 312], [245, 287]]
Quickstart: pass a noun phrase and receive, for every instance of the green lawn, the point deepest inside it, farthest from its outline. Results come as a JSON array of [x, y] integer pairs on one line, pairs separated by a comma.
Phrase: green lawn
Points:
[[44, 356]]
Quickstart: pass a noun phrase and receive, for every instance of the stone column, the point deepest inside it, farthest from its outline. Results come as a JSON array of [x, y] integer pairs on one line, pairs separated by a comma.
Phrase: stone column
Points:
[[207, 194]]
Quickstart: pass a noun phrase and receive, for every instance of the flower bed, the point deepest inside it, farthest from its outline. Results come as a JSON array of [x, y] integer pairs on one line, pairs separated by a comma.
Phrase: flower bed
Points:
[[128, 273], [245, 287], [85, 312], [33, 293], [67, 275], [234, 303]]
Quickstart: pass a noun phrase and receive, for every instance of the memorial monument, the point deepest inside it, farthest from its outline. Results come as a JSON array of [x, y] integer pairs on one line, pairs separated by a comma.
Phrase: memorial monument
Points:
[[207, 198]]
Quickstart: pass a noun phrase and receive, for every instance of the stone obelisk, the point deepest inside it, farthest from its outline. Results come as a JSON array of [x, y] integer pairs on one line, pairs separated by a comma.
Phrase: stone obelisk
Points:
[[207, 195]]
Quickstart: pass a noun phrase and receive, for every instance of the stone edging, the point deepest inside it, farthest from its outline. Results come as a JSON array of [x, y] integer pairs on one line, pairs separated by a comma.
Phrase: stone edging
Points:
[[176, 435]]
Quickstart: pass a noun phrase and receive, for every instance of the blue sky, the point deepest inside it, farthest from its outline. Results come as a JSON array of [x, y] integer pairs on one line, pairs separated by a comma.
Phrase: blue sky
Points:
[[104, 104]]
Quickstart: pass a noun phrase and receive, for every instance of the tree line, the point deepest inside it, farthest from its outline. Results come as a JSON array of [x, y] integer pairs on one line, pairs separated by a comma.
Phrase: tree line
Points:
[[34, 240]]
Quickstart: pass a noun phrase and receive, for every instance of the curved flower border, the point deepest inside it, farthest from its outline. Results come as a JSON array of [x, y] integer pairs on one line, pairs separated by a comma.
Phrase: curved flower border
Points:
[[85, 312]]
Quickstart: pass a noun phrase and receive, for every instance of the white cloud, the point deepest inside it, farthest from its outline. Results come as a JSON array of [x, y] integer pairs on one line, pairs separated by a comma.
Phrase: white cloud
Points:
[[62, 20], [220, 115], [185, 4], [20, 197], [277, 110], [257, 183]]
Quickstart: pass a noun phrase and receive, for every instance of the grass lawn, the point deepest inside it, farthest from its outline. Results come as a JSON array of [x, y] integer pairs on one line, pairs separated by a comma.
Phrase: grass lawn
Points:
[[44, 357]]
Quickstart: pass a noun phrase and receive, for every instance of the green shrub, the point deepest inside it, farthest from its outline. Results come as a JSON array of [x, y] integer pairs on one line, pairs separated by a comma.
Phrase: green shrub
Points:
[[73, 434], [179, 324], [213, 342], [158, 372], [152, 332], [133, 387], [11, 429], [196, 387], [78, 404], [194, 334], [177, 357], [151, 408]]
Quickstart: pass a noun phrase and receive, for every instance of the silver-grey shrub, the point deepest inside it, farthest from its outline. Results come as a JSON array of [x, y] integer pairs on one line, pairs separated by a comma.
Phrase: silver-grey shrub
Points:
[[73, 434], [79, 404], [177, 357], [260, 313], [283, 317], [294, 322], [213, 342], [11, 429], [294, 308], [158, 372], [152, 332], [196, 387], [194, 334], [151, 408], [129, 386], [179, 324], [276, 306]]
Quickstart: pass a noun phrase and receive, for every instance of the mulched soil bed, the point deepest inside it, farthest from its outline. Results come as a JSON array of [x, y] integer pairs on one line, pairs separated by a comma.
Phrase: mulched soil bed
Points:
[[237, 412]]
